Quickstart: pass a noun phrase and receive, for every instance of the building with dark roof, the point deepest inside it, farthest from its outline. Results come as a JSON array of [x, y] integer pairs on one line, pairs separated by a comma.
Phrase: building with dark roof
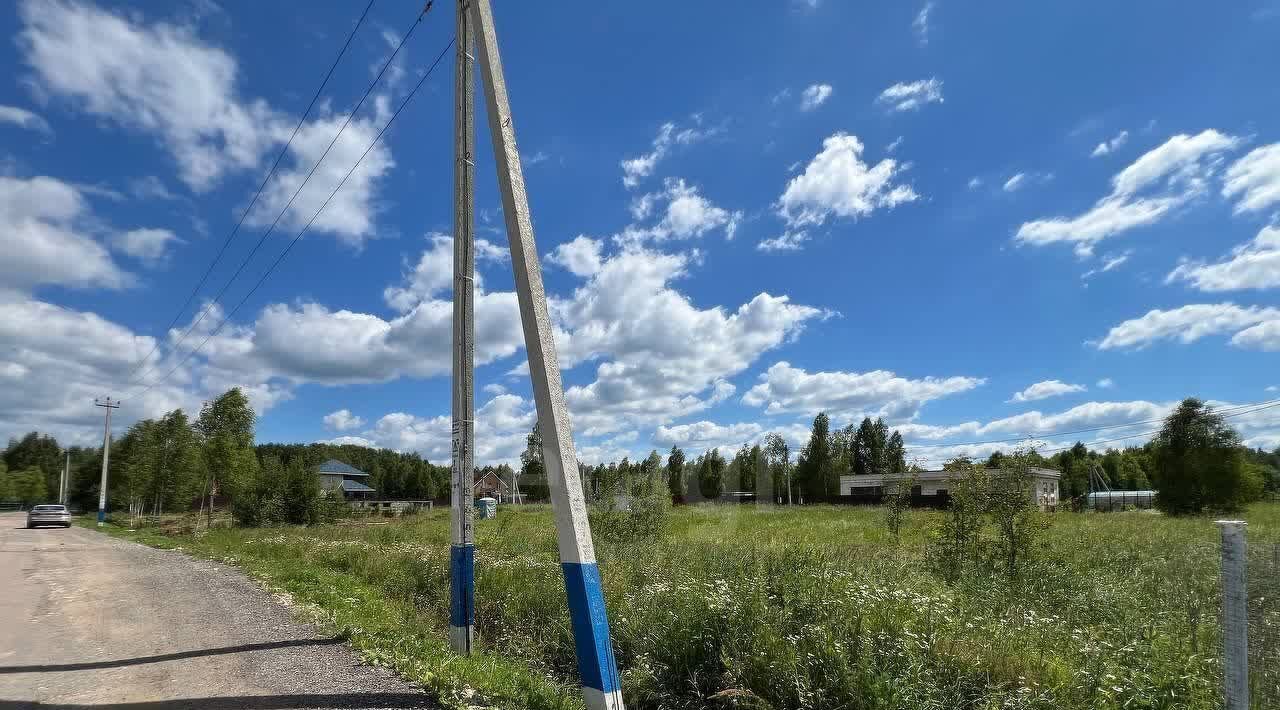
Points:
[[336, 475]]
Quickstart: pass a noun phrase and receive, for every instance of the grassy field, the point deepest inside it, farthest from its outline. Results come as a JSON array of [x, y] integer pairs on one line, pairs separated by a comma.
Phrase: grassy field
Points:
[[814, 607]]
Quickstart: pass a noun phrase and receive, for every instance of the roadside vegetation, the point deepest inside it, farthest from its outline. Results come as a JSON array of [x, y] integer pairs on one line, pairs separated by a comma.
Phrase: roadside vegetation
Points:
[[812, 607], [989, 604]]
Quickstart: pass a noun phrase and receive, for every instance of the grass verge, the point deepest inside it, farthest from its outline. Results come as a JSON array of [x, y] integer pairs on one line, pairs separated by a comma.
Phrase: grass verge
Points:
[[384, 631]]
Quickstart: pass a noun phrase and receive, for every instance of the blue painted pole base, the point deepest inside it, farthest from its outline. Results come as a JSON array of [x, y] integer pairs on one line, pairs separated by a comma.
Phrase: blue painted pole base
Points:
[[102, 517], [462, 597], [596, 665]]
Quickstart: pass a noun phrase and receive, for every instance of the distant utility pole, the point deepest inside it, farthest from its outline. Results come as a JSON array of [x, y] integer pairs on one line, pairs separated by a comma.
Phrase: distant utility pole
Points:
[[596, 665], [108, 404], [64, 484], [462, 519]]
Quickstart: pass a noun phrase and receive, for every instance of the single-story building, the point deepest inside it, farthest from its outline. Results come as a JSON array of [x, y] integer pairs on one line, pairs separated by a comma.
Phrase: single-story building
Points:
[[336, 475], [932, 487]]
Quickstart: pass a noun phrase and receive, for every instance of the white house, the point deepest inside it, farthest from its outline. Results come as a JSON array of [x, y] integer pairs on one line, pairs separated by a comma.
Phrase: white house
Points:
[[932, 487]]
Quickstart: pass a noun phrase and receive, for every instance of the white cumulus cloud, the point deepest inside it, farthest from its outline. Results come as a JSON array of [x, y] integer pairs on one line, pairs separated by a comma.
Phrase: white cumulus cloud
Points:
[[686, 214], [581, 256], [150, 246], [838, 183], [1254, 179], [1046, 389], [46, 236], [1142, 194], [342, 420], [1255, 264], [157, 78], [785, 388], [1253, 326]]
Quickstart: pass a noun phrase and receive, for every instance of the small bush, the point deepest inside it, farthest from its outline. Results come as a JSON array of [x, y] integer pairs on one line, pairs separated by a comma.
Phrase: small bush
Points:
[[280, 495], [643, 517]]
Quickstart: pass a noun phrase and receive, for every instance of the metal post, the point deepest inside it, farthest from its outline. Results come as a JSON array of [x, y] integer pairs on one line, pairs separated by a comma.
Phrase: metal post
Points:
[[65, 482], [462, 518], [596, 664], [1235, 615], [106, 403]]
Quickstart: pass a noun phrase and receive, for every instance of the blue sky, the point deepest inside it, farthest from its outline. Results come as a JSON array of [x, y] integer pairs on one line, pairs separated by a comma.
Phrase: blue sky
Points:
[[1004, 221]]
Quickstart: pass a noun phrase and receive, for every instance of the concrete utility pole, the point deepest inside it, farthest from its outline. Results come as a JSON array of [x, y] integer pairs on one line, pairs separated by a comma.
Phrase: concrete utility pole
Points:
[[65, 482], [462, 519], [109, 405], [1235, 615], [596, 665]]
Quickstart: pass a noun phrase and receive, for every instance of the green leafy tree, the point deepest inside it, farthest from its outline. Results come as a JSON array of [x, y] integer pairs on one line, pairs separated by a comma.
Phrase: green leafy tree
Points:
[[843, 445], [30, 486], [897, 505], [711, 475], [160, 465], [675, 472], [959, 463], [896, 453], [1074, 464], [758, 471], [815, 471], [878, 447], [1199, 463], [1010, 506], [778, 455], [531, 458], [650, 471], [743, 469], [36, 451], [226, 426], [860, 453], [956, 545], [6, 486], [301, 494]]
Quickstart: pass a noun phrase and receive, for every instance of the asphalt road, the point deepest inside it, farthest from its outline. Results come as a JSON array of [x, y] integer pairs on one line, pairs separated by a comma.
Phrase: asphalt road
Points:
[[89, 621]]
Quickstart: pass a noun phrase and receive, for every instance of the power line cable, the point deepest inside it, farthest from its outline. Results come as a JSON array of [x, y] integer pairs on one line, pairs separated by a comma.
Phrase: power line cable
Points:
[[243, 215], [261, 240], [227, 318]]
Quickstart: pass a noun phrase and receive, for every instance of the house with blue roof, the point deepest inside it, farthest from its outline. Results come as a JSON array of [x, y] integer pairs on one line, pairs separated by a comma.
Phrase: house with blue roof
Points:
[[338, 476]]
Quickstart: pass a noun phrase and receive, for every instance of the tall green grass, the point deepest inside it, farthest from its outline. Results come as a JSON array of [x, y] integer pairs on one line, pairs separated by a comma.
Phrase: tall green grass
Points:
[[814, 607]]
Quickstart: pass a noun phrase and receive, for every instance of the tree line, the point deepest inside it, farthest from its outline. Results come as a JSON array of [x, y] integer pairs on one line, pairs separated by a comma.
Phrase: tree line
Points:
[[173, 463]]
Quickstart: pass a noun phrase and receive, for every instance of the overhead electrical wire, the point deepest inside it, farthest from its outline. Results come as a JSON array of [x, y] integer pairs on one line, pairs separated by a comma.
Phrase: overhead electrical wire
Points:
[[261, 240], [227, 318], [270, 173]]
